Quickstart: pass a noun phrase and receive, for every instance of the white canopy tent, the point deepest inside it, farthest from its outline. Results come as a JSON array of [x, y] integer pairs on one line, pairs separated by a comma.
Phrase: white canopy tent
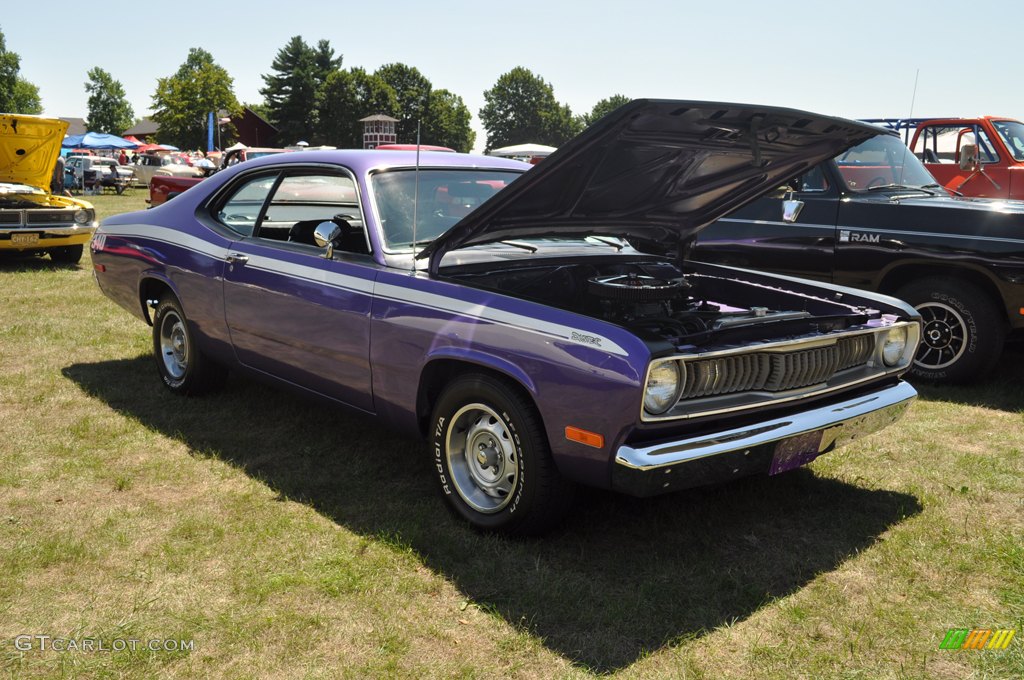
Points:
[[532, 150]]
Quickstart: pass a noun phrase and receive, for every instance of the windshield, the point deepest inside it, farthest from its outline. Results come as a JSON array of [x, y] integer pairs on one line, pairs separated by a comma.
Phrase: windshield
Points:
[[883, 161], [445, 197], [1012, 133]]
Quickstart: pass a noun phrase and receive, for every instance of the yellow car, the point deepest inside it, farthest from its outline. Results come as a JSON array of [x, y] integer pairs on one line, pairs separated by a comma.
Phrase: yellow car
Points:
[[32, 220]]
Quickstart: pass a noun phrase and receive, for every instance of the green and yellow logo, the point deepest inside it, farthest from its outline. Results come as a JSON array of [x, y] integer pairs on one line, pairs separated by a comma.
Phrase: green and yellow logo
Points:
[[978, 638]]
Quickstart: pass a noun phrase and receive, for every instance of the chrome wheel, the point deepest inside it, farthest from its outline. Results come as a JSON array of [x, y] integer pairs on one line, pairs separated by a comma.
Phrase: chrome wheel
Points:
[[174, 345], [482, 458], [944, 337]]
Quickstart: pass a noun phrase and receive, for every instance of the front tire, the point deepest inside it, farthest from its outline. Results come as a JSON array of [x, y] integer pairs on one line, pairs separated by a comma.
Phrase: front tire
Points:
[[183, 368], [67, 254], [963, 331], [493, 460]]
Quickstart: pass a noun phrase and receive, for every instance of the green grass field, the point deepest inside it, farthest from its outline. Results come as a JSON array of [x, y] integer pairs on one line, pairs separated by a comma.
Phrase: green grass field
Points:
[[285, 539]]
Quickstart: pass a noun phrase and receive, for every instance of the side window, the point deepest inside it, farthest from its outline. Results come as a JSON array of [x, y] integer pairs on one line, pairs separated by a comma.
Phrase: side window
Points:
[[242, 208], [979, 138], [945, 143], [302, 201], [813, 181]]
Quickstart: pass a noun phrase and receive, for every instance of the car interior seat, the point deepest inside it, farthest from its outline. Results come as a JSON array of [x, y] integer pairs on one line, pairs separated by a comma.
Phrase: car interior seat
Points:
[[302, 232]]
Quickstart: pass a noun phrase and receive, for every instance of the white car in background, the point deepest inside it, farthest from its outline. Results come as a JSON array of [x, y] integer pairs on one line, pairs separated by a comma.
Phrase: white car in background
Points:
[[94, 172], [148, 164]]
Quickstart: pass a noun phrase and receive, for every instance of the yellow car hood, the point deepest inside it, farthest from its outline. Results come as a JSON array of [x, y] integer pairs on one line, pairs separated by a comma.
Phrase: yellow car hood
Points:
[[29, 146]]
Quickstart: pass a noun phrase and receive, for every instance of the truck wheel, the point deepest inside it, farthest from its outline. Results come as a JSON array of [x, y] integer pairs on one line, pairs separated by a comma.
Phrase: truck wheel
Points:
[[183, 368], [962, 333], [66, 254], [493, 460]]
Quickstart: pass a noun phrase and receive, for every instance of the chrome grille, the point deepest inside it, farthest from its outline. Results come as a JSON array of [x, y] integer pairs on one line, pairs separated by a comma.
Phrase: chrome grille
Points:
[[48, 216], [10, 217], [773, 371], [854, 351]]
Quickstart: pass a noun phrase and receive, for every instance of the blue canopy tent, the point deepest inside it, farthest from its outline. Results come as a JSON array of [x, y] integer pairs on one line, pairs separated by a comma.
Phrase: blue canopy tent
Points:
[[97, 140]]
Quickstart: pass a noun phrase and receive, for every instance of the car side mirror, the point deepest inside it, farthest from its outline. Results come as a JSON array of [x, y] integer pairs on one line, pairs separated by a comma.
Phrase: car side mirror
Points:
[[325, 235], [969, 159], [791, 208]]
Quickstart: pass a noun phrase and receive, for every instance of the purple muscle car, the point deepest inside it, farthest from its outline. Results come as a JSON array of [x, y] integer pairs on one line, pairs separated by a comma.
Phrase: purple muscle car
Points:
[[541, 329]]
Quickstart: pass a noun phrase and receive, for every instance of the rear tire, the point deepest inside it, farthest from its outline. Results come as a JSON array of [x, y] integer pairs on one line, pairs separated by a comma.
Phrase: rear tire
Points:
[[182, 366], [67, 254], [963, 330], [493, 460]]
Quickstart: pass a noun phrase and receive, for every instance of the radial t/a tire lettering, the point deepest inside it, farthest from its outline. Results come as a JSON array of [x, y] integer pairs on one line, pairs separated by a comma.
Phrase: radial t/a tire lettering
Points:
[[492, 459]]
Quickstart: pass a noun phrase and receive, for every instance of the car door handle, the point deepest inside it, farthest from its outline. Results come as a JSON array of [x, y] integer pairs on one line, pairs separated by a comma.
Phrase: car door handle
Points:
[[237, 258]]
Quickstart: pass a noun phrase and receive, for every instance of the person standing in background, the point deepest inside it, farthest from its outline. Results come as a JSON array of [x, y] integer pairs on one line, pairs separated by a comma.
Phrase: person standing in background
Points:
[[57, 180], [122, 158]]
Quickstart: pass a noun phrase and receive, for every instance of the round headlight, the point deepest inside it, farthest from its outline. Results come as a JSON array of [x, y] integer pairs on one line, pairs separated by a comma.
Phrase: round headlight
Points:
[[83, 216], [895, 345], [662, 389]]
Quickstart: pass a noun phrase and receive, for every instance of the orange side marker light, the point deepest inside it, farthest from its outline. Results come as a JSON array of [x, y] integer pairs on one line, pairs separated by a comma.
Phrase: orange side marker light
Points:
[[575, 434]]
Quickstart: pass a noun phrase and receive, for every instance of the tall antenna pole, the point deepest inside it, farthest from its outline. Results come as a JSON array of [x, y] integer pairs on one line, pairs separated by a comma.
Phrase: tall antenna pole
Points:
[[906, 140], [416, 197]]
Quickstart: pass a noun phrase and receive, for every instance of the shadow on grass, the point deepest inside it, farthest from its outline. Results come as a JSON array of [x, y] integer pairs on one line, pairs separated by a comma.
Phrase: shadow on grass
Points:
[[1003, 389], [622, 578], [19, 262]]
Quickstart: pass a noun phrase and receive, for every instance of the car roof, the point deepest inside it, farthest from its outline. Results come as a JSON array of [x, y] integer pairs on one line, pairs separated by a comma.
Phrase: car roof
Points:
[[364, 160]]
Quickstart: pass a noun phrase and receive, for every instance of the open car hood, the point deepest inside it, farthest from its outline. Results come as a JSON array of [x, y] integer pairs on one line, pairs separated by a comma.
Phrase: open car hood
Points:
[[656, 171], [29, 146]]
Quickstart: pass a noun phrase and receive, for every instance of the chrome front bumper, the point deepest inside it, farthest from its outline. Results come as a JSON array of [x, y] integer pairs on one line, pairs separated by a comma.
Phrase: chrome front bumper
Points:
[[719, 456]]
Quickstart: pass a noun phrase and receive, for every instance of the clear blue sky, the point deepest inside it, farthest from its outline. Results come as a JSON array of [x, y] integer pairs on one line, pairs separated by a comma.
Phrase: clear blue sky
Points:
[[842, 59]]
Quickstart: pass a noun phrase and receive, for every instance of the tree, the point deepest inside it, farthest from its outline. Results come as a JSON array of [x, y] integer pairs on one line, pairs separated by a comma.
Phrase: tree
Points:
[[348, 96], [603, 108], [26, 98], [292, 92], [521, 108], [183, 101], [109, 110], [412, 89], [447, 122], [17, 95]]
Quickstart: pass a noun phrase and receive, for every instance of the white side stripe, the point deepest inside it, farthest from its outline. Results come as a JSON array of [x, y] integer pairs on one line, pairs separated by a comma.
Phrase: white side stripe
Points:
[[499, 316], [366, 286], [172, 237]]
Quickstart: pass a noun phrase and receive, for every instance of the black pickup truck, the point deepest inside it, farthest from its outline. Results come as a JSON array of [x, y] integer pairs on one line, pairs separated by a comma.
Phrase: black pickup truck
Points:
[[874, 218]]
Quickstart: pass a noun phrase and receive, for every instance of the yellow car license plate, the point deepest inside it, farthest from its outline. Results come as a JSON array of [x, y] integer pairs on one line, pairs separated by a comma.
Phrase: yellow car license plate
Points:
[[24, 239]]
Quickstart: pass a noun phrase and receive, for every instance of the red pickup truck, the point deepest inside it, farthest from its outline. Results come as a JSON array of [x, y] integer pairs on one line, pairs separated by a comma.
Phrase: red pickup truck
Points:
[[981, 156], [163, 188]]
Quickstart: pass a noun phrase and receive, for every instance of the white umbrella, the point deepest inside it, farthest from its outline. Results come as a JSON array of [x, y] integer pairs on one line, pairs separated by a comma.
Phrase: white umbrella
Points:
[[235, 146], [524, 150]]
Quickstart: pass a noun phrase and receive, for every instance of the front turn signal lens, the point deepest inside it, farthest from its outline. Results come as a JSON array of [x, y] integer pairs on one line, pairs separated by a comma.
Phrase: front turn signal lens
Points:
[[577, 434]]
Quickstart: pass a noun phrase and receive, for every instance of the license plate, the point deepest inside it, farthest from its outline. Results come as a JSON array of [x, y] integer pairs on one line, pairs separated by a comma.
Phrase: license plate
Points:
[[24, 239], [796, 452]]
